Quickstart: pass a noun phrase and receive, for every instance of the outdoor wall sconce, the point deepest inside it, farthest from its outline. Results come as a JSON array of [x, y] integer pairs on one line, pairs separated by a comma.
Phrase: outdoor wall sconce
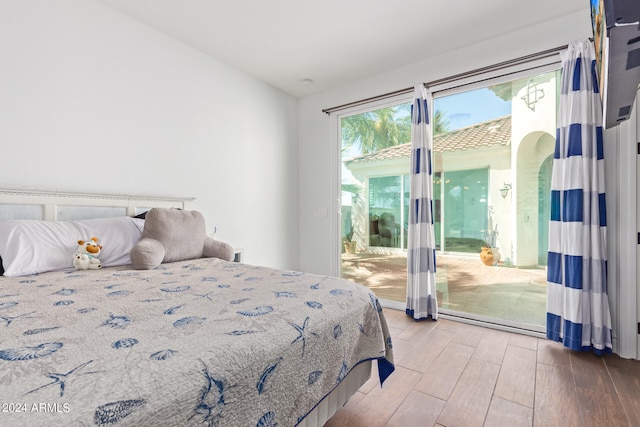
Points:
[[533, 95], [504, 190]]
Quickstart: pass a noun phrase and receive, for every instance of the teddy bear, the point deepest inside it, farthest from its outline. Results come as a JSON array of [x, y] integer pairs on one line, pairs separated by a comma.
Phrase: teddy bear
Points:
[[85, 257]]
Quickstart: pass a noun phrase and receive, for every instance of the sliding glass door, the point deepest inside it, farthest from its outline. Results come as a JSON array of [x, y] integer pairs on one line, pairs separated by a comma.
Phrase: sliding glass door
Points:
[[493, 148]]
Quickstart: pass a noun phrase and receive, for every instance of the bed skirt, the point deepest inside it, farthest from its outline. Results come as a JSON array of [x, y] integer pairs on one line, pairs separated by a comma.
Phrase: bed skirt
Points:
[[335, 400]]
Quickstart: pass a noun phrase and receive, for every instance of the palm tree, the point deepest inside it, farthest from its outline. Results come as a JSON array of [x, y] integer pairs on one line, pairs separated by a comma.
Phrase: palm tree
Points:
[[440, 122], [375, 130]]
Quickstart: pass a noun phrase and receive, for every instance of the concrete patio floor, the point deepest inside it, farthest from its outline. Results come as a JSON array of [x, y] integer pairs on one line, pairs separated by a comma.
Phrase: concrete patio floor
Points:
[[464, 284]]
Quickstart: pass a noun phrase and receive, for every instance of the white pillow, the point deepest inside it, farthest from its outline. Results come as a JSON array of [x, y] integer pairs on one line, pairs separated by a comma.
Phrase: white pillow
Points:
[[33, 246]]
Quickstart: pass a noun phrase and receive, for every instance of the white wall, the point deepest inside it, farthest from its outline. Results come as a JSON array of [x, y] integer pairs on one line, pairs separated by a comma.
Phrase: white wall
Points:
[[93, 101]]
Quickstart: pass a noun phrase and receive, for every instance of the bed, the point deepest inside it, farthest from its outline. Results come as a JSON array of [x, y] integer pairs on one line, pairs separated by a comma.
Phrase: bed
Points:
[[196, 342]]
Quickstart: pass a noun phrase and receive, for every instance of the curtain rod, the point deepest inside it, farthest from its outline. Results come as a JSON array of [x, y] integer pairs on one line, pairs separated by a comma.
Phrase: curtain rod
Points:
[[475, 72]]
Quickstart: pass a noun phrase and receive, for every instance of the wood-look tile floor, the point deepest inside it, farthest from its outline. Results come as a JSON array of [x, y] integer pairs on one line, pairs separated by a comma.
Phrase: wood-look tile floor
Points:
[[454, 374]]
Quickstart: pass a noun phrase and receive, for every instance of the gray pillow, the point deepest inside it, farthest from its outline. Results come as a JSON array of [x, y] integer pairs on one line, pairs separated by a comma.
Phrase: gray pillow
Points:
[[171, 235]]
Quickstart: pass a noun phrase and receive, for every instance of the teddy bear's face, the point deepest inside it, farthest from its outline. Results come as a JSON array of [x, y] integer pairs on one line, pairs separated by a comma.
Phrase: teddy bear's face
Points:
[[89, 247], [92, 248]]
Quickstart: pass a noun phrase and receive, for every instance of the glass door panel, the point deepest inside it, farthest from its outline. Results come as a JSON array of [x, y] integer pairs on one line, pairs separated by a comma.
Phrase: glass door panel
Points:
[[375, 195], [491, 188]]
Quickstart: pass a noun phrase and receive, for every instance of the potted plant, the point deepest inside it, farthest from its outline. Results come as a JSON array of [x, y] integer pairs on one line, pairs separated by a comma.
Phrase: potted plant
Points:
[[490, 254]]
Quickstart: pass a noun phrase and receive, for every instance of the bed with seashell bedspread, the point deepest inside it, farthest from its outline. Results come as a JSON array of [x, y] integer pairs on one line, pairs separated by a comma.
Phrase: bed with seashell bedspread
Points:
[[199, 342]]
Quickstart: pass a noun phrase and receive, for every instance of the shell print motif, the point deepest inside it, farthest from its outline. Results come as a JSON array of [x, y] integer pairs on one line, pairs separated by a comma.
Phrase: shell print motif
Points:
[[120, 293], [337, 331], [267, 420], [117, 322], [29, 353], [112, 413], [163, 354], [340, 293], [285, 294], [63, 303], [187, 321], [176, 289], [258, 311], [314, 377], [314, 304], [40, 330], [192, 267], [65, 292], [124, 343]]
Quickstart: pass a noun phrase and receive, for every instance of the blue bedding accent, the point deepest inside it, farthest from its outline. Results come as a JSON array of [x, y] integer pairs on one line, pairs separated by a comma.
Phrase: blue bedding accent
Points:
[[201, 342]]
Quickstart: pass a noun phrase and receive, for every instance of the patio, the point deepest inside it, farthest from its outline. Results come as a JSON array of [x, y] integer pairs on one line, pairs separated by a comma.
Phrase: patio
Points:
[[464, 284]]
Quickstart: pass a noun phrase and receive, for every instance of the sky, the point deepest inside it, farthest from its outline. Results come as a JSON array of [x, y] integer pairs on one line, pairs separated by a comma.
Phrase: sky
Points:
[[472, 107]]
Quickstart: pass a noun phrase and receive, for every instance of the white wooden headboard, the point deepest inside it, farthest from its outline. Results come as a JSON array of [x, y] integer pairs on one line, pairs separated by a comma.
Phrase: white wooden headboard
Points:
[[53, 205]]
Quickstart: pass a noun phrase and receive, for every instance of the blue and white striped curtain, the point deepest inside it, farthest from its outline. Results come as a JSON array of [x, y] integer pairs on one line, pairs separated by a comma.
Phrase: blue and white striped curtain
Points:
[[421, 253], [577, 302]]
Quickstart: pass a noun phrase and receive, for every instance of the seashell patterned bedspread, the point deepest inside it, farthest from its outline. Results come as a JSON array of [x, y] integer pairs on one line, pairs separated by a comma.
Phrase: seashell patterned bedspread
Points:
[[198, 343]]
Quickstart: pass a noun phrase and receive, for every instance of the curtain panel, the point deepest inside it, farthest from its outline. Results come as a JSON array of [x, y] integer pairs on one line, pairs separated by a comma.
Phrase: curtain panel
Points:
[[577, 301], [421, 250]]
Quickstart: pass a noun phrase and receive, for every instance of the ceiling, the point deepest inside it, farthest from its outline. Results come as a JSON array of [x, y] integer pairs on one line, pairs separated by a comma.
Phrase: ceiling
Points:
[[332, 42]]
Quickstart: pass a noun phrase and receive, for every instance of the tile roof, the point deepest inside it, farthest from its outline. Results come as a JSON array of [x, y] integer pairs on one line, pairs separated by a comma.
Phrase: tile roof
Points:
[[481, 135]]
